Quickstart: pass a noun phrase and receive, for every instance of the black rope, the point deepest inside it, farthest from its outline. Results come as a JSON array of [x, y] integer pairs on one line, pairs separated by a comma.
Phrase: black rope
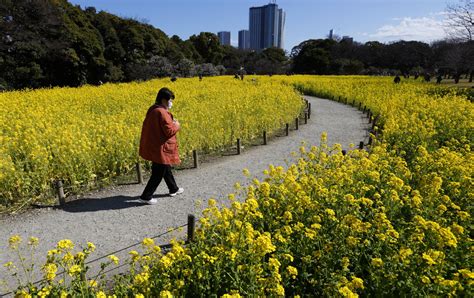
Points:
[[133, 245], [163, 246]]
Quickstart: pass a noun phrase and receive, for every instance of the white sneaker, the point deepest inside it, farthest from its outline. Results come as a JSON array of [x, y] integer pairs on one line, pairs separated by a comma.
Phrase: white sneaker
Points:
[[179, 191], [149, 202]]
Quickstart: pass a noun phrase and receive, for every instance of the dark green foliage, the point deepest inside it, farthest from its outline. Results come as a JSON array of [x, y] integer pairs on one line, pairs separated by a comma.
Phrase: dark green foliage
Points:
[[313, 56], [401, 57], [208, 47], [52, 42]]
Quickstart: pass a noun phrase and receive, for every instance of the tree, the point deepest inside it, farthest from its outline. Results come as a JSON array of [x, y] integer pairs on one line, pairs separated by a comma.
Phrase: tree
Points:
[[405, 55], [206, 70], [160, 67], [313, 56], [454, 58], [185, 68], [460, 20], [208, 46], [269, 61]]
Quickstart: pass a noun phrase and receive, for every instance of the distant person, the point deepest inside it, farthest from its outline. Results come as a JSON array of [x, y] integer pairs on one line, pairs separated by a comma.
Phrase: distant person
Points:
[[439, 78], [158, 144], [396, 80]]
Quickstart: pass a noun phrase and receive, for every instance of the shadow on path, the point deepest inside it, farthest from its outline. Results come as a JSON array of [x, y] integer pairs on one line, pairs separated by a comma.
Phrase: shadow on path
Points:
[[110, 203]]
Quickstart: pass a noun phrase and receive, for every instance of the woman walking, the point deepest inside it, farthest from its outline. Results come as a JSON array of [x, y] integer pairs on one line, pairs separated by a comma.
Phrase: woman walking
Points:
[[158, 144]]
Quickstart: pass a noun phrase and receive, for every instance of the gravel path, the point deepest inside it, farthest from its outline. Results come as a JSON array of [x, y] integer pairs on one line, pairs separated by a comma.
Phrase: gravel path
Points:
[[111, 219]]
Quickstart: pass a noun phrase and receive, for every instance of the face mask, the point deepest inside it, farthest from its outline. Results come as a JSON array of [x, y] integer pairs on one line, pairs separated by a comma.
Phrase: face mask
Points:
[[170, 104]]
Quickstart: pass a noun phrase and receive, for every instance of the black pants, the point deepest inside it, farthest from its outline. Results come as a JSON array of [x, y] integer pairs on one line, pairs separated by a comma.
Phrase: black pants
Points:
[[158, 172]]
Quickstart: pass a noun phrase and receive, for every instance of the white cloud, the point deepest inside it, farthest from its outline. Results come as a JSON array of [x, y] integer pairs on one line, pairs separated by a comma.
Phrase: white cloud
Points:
[[422, 29]]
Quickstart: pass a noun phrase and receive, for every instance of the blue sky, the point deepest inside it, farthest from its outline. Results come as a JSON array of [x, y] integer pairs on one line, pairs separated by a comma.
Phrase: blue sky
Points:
[[382, 20]]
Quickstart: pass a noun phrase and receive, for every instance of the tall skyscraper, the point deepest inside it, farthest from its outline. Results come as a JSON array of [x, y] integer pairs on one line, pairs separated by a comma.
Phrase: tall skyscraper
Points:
[[224, 38], [266, 26], [244, 39]]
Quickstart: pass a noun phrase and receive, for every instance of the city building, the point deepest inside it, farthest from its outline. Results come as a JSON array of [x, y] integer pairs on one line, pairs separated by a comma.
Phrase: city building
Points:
[[331, 34], [266, 26], [224, 38], [347, 39], [244, 39]]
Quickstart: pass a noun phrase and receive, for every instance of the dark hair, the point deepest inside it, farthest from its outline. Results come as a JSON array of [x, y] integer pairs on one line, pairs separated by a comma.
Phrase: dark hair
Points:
[[164, 93]]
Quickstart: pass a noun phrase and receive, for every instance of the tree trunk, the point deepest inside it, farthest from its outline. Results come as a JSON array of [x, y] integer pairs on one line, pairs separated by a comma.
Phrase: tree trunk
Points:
[[456, 78]]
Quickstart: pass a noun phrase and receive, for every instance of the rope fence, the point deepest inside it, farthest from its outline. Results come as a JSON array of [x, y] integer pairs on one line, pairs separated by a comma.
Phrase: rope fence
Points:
[[191, 224]]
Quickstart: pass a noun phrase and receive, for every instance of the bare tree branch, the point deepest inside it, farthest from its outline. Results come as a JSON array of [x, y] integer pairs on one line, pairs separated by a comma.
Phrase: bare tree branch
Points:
[[460, 20]]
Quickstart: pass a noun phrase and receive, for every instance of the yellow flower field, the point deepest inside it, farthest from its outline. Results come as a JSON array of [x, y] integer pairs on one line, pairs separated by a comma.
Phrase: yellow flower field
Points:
[[395, 221], [82, 135]]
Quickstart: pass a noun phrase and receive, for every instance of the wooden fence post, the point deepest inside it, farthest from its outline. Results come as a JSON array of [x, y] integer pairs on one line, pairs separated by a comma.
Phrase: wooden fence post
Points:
[[195, 159], [139, 173], [238, 146], [264, 137], [361, 145], [305, 118], [60, 189], [359, 105], [344, 152], [309, 111], [191, 226], [297, 123], [287, 129]]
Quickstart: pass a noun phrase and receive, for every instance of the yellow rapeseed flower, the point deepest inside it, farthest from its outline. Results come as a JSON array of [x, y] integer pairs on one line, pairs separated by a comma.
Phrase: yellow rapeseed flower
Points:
[[33, 241], [148, 242], [114, 259], [65, 244], [292, 271], [166, 294], [346, 292], [14, 241], [74, 269], [357, 283], [377, 262]]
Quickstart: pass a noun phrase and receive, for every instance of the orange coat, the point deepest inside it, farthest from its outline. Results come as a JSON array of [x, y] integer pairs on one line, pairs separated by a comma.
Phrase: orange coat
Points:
[[158, 139]]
